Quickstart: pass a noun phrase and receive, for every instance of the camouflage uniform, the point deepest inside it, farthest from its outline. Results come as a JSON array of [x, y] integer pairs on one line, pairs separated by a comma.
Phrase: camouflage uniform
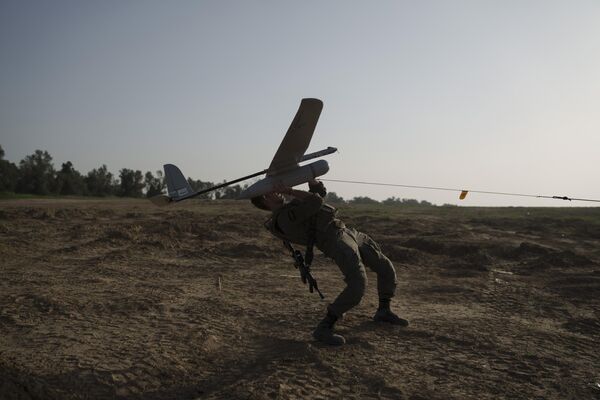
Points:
[[351, 250]]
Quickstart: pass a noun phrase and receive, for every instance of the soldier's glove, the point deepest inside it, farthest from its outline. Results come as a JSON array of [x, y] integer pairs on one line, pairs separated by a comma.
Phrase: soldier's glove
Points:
[[317, 188]]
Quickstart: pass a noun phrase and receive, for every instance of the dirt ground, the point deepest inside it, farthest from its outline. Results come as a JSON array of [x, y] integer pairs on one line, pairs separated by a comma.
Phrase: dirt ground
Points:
[[103, 299]]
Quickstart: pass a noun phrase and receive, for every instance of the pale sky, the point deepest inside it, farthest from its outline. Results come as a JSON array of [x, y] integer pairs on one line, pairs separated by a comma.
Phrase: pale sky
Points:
[[488, 95]]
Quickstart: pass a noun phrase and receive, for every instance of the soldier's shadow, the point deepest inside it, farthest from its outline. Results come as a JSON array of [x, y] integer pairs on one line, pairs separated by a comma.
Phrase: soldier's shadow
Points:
[[367, 331], [373, 326]]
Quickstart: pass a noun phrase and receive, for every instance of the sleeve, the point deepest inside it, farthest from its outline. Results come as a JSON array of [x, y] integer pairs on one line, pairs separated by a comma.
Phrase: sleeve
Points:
[[304, 209]]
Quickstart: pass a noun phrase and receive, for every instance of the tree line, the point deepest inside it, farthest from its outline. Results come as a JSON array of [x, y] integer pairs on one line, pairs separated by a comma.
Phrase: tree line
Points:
[[35, 174], [333, 198]]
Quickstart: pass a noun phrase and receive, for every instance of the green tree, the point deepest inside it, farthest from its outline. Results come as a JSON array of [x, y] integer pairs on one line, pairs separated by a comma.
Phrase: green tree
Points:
[[154, 185], [9, 174], [36, 173], [100, 182], [132, 183], [363, 200], [199, 185], [392, 201], [410, 202], [396, 201], [69, 180], [332, 197], [229, 192]]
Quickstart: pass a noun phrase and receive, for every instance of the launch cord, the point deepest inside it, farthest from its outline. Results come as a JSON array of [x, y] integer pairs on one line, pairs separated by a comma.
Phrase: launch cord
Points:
[[464, 191]]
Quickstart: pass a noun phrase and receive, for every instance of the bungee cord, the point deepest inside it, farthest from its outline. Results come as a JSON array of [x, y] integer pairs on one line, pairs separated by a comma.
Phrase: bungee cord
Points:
[[463, 192]]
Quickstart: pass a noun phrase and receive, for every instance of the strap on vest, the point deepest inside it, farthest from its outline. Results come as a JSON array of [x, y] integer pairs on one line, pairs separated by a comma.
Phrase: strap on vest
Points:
[[302, 263]]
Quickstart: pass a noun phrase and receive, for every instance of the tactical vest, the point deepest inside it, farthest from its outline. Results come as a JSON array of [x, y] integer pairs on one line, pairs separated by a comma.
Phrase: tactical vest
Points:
[[320, 221]]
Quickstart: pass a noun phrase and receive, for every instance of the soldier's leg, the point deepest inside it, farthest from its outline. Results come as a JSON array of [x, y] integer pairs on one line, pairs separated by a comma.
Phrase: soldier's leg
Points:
[[347, 256], [374, 258]]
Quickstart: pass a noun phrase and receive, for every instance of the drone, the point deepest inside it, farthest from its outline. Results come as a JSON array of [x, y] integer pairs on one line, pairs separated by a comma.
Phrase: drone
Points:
[[285, 168]]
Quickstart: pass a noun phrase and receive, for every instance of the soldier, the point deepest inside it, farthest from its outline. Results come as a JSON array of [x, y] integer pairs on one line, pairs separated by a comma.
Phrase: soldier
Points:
[[351, 250]]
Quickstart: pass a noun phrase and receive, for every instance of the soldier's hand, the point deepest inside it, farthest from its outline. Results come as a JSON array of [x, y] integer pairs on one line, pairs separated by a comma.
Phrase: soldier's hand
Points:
[[317, 187]]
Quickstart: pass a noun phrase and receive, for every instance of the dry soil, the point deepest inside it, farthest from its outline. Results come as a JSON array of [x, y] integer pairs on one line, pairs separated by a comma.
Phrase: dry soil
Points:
[[105, 299]]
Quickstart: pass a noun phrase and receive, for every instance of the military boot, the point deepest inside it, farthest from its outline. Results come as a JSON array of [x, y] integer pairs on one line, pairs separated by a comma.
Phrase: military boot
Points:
[[324, 332], [385, 314]]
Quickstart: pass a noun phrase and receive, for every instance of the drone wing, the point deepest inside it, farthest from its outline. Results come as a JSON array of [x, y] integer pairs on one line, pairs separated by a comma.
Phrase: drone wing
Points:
[[297, 138]]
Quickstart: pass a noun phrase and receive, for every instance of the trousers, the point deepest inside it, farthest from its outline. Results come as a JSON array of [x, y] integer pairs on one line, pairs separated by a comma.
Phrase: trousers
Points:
[[351, 251]]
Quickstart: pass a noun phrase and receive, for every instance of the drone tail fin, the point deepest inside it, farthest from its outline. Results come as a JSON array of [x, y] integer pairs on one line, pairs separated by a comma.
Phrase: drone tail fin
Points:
[[178, 187]]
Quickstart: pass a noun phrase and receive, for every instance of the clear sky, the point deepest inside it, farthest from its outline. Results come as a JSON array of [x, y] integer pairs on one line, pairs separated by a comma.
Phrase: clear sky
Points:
[[488, 95]]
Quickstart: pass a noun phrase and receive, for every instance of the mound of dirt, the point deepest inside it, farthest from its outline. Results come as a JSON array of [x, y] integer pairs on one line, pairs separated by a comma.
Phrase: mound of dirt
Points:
[[400, 254]]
